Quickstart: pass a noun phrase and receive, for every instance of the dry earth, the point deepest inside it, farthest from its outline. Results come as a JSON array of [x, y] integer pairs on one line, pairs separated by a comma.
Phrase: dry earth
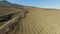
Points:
[[41, 21]]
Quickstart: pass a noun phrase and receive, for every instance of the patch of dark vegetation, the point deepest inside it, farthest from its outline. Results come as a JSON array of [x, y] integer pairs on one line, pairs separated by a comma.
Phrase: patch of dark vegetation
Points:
[[5, 18], [25, 13]]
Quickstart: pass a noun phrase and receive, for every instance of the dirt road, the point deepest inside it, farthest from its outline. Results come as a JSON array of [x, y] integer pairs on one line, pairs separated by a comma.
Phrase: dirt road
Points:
[[40, 21]]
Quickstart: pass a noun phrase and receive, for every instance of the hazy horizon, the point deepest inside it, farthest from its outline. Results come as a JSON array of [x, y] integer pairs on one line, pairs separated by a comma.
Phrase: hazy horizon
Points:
[[38, 3]]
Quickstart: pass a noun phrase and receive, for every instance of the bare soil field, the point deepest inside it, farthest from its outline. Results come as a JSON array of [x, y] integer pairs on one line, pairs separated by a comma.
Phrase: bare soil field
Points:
[[41, 21]]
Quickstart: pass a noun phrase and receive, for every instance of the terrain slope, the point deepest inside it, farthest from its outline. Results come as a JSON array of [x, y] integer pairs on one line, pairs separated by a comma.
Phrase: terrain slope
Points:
[[41, 21]]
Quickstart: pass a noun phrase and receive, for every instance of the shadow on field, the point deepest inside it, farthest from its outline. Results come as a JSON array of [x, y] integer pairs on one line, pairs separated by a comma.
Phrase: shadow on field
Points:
[[6, 18]]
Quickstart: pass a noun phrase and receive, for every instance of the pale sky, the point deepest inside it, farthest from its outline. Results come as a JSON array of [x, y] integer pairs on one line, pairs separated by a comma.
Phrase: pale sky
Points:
[[38, 3]]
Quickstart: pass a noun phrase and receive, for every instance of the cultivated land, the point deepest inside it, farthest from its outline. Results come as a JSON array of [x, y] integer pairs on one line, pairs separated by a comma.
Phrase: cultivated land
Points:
[[4, 10], [41, 21]]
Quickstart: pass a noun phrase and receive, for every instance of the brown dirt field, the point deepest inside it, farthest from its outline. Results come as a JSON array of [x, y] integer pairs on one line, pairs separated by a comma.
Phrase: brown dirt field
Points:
[[41, 21]]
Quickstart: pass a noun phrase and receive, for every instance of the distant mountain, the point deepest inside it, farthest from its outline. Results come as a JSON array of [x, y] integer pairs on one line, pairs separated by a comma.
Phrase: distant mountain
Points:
[[6, 3]]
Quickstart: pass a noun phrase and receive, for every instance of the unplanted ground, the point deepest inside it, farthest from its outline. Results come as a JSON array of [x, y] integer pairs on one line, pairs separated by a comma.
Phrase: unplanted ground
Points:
[[41, 21]]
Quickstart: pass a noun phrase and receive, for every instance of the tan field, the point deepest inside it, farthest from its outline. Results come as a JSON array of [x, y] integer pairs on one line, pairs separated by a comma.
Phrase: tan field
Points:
[[8, 10], [19, 19], [41, 21]]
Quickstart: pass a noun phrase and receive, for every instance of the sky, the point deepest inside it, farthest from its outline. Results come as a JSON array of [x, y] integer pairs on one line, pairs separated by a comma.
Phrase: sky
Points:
[[38, 3]]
